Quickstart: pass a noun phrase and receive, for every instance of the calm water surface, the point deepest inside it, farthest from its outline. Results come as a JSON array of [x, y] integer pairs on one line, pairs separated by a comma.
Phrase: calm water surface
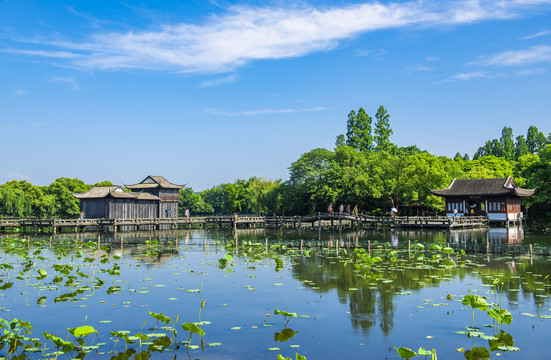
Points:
[[342, 311]]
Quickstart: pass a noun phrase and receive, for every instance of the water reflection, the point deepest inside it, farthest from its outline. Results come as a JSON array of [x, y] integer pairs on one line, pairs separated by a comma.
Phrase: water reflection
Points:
[[325, 264]]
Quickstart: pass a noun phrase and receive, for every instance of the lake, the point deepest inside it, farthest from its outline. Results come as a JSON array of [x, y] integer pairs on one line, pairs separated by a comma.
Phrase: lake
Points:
[[259, 293]]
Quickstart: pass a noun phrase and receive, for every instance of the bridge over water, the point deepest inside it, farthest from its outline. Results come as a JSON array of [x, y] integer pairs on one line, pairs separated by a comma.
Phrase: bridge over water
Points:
[[319, 221]]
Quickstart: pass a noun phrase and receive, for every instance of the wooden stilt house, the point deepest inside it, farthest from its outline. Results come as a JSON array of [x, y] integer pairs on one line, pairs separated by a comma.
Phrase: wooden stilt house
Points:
[[113, 202], [166, 191], [497, 198]]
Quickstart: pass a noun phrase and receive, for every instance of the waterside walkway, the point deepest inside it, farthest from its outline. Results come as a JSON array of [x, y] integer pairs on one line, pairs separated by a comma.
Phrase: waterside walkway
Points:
[[319, 221]]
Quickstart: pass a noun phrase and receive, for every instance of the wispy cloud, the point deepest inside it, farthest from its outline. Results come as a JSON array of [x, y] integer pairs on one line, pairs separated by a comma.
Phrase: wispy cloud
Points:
[[466, 77], [374, 53], [20, 92], [43, 53], [264, 111], [533, 55], [245, 33], [541, 33], [65, 80], [217, 82], [418, 67], [525, 72]]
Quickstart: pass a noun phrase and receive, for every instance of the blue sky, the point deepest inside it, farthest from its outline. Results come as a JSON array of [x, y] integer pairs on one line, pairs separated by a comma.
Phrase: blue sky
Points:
[[206, 92]]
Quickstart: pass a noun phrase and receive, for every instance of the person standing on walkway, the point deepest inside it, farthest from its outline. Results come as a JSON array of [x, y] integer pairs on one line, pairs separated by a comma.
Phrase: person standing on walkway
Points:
[[330, 209], [341, 208], [355, 211]]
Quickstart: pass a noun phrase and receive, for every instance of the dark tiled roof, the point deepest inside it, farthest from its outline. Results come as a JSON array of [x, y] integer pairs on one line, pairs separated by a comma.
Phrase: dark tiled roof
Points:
[[100, 192], [483, 187], [152, 182]]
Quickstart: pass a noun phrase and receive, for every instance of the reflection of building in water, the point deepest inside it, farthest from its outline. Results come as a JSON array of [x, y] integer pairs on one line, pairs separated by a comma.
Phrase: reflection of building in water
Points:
[[394, 239], [509, 235]]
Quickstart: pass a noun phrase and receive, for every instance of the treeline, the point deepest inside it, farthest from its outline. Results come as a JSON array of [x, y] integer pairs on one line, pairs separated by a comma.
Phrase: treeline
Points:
[[365, 169], [513, 149], [22, 199]]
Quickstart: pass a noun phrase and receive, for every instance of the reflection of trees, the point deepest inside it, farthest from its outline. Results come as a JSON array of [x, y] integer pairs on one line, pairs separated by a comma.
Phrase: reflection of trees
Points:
[[373, 301]]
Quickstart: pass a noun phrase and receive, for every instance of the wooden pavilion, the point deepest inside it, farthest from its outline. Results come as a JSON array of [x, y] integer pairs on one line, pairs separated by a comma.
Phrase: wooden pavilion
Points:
[[113, 202], [497, 198], [154, 197], [166, 191]]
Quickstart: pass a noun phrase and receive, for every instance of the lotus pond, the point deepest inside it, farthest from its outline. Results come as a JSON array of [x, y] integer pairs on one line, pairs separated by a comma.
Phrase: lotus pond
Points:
[[276, 294]]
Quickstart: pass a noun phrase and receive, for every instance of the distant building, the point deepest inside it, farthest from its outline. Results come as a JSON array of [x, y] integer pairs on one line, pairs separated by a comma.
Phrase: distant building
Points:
[[154, 197], [498, 198]]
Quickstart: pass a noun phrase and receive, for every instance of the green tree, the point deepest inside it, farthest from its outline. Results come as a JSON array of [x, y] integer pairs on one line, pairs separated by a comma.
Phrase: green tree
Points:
[[194, 202], [216, 197], [458, 157], [13, 202], [507, 143], [61, 189], [308, 188], [41, 204], [488, 167], [521, 147], [340, 141], [358, 130], [497, 148], [539, 177], [535, 140], [485, 150], [382, 130], [522, 168]]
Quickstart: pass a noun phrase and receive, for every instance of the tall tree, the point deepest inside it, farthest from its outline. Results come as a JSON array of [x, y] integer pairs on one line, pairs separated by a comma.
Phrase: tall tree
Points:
[[497, 148], [340, 141], [382, 130], [358, 130], [535, 139], [507, 143], [521, 147]]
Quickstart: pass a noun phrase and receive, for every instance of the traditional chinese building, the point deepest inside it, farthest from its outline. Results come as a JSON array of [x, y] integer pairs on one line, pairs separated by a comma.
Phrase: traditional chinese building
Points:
[[154, 197], [166, 191], [498, 198], [113, 202]]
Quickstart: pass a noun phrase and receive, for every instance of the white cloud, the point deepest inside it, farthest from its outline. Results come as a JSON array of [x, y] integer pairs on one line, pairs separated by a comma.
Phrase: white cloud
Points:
[[244, 34], [43, 53], [217, 82], [541, 33], [263, 111], [65, 80], [466, 77], [524, 72], [20, 92], [470, 76], [374, 53], [533, 55]]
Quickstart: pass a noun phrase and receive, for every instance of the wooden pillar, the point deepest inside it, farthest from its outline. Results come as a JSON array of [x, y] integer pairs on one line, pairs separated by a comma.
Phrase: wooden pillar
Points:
[[369, 247]]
